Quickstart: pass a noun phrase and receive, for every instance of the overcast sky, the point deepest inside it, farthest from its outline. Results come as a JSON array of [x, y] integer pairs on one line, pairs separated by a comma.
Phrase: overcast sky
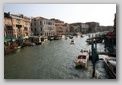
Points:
[[70, 13]]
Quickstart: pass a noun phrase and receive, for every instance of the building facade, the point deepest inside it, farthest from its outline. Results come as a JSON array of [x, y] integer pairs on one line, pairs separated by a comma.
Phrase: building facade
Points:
[[61, 27], [21, 26], [16, 26], [105, 28], [75, 28], [8, 26], [84, 28], [36, 26], [79, 27], [43, 27], [93, 26]]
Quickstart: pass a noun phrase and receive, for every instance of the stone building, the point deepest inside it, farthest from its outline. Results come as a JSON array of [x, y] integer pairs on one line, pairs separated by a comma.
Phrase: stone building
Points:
[[105, 28], [8, 26], [21, 25], [36, 26], [75, 28], [79, 27], [84, 28], [93, 26], [61, 27], [42, 27], [16, 26]]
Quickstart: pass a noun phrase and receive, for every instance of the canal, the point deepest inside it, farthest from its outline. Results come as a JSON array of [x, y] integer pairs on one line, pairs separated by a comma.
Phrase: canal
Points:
[[51, 60]]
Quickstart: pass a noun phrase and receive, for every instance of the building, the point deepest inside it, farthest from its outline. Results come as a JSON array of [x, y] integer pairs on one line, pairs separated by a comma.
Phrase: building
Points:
[[84, 28], [105, 28], [16, 26], [21, 26], [36, 26], [115, 23], [8, 26], [93, 26], [43, 27], [49, 27], [75, 28], [61, 27], [79, 27]]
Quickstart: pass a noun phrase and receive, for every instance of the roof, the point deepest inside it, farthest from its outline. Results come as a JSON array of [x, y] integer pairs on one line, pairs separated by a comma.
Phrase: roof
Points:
[[7, 15]]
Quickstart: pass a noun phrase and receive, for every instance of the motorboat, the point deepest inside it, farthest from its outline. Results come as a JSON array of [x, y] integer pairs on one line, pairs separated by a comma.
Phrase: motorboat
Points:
[[82, 59], [72, 42]]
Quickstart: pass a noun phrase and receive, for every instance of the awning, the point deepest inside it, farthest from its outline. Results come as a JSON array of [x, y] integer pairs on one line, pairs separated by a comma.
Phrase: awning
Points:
[[8, 39]]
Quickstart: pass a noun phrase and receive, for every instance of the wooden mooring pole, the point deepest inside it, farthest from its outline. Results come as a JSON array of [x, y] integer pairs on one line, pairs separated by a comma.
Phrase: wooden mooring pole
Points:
[[94, 57]]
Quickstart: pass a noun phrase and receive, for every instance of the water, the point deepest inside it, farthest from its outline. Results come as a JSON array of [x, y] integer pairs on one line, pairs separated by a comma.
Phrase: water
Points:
[[51, 60]]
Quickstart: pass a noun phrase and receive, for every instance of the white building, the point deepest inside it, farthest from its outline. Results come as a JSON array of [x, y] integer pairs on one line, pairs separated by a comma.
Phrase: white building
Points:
[[42, 27]]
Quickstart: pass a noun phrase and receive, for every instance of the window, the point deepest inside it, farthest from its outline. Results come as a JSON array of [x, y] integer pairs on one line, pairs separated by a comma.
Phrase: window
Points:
[[50, 28], [49, 23], [9, 27], [25, 28], [18, 21], [31, 29], [40, 28], [26, 23], [34, 19], [35, 29], [40, 23]]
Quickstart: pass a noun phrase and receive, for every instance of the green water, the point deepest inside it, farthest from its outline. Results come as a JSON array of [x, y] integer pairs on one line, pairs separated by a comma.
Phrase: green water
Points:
[[51, 60]]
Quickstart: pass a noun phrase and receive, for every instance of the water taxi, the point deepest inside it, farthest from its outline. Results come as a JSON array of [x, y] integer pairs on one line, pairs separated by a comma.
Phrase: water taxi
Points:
[[82, 59]]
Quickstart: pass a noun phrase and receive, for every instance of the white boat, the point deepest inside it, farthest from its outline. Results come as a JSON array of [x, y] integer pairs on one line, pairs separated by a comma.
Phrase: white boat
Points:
[[19, 47], [82, 59]]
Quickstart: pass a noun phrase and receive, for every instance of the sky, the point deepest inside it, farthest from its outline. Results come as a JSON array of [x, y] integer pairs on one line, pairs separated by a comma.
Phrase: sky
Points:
[[69, 13]]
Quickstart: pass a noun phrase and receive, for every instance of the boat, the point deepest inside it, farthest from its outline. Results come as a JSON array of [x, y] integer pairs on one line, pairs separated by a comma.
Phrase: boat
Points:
[[19, 47], [72, 42], [82, 59], [81, 36], [56, 37], [50, 38], [71, 37], [89, 41], [35, 39]]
